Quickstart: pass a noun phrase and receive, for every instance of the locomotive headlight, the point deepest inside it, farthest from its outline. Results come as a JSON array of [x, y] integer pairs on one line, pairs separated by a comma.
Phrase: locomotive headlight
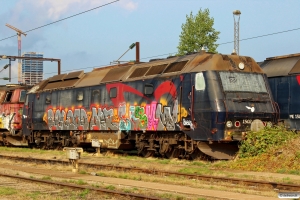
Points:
[[229, 124], [241, 65]]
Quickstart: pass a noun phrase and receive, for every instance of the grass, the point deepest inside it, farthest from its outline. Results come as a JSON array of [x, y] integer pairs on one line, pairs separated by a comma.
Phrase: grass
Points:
[[46, 178], [196, 170], [7, 191], [80, 182], [110, 187], [84, 193], [34, 195], [82, 172]]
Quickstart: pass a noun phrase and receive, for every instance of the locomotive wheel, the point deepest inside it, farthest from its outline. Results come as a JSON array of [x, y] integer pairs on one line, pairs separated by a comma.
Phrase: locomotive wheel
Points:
[[172, 153], [50, 142], [195, 155], [58, 146], [146, 153]]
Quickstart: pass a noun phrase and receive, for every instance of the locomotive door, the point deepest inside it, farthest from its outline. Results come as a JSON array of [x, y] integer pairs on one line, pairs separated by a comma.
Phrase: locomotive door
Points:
[[187, 102], [27, 115], [283, 99]]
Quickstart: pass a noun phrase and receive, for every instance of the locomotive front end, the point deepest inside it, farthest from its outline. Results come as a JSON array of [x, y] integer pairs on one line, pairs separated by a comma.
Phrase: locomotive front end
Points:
[[231, 97], [248, 104]]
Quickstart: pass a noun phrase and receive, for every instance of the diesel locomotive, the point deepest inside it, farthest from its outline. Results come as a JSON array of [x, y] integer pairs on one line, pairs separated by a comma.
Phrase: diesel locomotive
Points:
[[284, 80], [12, 98], [181, 106]]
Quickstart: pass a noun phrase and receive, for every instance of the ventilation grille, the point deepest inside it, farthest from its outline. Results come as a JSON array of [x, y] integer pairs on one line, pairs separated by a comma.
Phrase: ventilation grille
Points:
[[74, 75], [175, 67], [115, 74], [139, 72], [57, 78], [157, 69]]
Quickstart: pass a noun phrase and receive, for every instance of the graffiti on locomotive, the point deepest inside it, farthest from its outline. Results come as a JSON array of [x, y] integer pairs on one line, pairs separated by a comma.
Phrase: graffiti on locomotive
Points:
[[153, 116]]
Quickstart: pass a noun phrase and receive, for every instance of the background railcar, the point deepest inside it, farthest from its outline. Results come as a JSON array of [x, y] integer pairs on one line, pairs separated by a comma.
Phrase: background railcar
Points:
[[12, 98], [180, 106], [284, 79]]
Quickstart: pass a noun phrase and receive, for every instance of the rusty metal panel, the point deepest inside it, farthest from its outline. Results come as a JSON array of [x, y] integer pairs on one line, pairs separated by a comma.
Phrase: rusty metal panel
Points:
[[53, 85], [2, 95], [56, 78], [296, 68], [69, 83], [156, 69], [218, 62], [139, 72], [73, 75], [93, 78], [38, 87], [175, 67], [280, 67], [115, 74]]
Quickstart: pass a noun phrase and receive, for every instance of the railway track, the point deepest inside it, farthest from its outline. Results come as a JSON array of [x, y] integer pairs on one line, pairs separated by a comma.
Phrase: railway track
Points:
[[252, 183], [74, 186]]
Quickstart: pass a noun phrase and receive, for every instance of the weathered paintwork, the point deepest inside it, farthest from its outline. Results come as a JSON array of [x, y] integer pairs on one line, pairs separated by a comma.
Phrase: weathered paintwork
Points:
[[11, 108], [152, 105]]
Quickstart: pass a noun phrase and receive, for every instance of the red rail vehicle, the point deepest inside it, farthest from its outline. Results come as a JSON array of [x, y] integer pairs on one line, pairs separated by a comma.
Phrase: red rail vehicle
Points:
[[12, 98]]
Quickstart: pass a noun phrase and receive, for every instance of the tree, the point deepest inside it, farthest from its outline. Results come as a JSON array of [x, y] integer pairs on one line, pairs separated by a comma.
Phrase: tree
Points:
[[198, 32]]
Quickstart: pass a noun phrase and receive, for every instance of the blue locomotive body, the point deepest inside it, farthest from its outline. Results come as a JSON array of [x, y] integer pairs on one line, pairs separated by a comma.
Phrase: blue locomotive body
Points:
[[181, 106]]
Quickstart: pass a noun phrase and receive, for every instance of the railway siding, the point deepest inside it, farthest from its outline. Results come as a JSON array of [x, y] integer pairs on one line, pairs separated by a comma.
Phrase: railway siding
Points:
[[150, 186], [253, 183]]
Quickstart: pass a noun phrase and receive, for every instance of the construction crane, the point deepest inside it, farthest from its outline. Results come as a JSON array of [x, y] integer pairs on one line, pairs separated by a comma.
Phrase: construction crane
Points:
[[19, 33]]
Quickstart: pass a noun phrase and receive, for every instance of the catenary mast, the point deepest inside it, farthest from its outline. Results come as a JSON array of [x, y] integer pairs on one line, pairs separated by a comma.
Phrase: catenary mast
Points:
[[19, 33]]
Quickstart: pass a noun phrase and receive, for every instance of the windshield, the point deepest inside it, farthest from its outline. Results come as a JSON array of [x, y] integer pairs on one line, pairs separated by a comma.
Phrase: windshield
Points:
[[22, 96], [242, 82]]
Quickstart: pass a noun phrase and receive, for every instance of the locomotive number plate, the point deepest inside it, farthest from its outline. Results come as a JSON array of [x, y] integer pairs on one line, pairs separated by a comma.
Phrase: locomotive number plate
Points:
[[247, 121]]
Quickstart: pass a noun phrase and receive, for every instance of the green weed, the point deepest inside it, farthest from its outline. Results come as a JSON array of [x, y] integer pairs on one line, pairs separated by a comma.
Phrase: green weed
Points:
[[84, 193], [262, 141], [46, 178], [7, 191], [34, 195], [110, 187], [82, 172], [80, 182]]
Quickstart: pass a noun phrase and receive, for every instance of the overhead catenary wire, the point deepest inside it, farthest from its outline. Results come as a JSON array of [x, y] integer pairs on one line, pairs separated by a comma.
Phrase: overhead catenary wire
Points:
[[265, 35], [176, 52], [259, 36], [64, 18]]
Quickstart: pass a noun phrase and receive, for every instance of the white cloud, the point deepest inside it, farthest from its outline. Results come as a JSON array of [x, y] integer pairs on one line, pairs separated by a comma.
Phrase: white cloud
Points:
[[129, 5], [56, 9]]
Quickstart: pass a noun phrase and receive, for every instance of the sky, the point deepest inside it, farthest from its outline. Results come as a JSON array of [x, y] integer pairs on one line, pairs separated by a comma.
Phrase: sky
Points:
[[100, 36]]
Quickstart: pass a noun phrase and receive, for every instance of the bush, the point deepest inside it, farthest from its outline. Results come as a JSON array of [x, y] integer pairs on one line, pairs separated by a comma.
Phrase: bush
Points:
[[260, 142]]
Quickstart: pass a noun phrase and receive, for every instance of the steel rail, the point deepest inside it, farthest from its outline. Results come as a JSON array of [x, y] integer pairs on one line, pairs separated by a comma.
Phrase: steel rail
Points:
[[246, 182], [74, 186]]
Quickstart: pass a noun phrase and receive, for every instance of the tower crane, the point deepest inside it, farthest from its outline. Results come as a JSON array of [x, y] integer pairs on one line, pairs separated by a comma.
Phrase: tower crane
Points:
[[19, 33]]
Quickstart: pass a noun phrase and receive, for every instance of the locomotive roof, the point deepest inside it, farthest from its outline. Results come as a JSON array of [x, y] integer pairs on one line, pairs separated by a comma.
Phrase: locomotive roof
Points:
[[172, 66], [14, 86], [281, 65]]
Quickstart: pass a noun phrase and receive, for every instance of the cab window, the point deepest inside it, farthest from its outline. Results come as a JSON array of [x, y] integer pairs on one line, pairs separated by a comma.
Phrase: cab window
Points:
[[22, 96], [199, 81]]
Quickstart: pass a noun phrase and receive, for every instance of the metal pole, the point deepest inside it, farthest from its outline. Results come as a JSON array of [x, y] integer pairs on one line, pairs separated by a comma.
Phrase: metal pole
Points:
[[19, 60], [9, 77], [237, 31], [58, 67], [137, 52]]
